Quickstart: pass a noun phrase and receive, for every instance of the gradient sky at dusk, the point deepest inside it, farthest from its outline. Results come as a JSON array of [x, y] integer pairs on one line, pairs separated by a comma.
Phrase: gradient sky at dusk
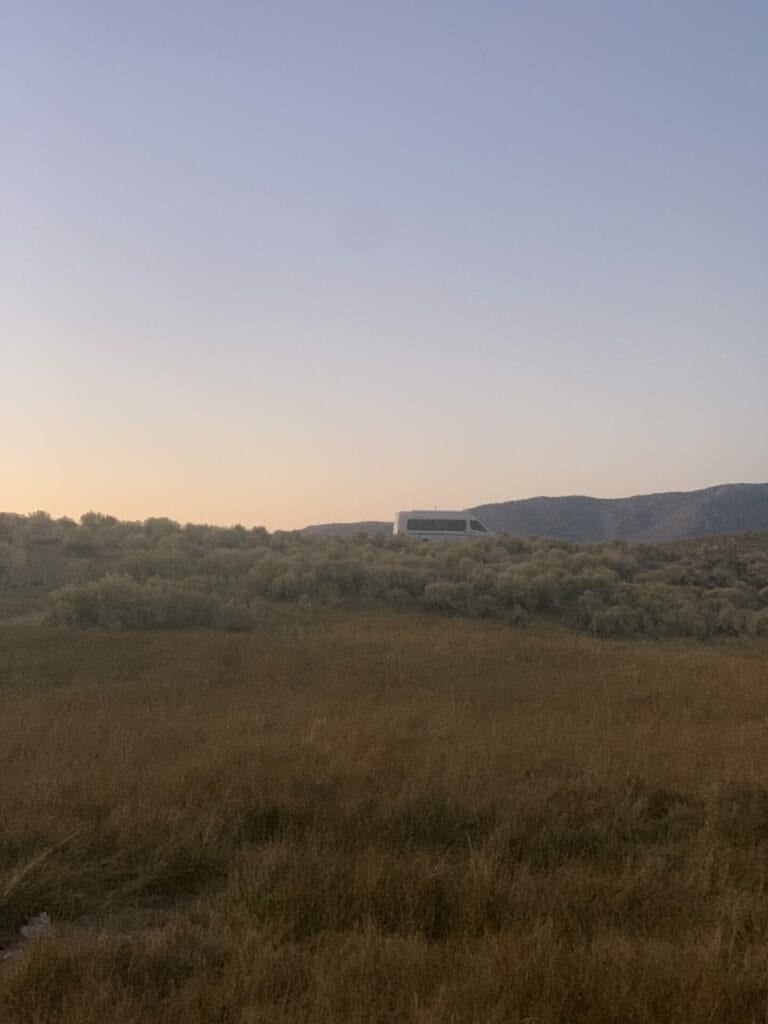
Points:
[[279, 263]]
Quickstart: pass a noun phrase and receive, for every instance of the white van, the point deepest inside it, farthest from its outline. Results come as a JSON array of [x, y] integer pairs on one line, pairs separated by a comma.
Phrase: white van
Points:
[[434, 525]]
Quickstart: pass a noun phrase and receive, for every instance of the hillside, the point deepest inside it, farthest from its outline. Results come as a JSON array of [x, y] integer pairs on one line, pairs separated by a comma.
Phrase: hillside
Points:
[[370, 527], [672, 515]]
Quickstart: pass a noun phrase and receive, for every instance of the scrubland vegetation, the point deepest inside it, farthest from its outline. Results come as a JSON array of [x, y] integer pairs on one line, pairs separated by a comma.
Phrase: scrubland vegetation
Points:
[[282, 778], [158, 574], [382, 817]]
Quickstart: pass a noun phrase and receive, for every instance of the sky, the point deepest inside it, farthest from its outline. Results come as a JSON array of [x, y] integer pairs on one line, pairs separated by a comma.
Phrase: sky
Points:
[[289, 262]]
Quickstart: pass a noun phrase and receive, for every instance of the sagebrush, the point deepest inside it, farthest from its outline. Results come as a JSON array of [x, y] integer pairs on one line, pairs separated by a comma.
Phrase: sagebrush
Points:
[[158, 574]]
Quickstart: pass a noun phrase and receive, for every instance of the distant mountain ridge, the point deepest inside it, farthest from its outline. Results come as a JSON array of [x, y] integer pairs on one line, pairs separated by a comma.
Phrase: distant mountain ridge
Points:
[[671, 515], [347, 529]]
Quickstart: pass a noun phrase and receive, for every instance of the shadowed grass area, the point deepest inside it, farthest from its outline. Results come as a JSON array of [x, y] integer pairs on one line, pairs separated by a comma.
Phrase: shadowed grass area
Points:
[[376, 817]]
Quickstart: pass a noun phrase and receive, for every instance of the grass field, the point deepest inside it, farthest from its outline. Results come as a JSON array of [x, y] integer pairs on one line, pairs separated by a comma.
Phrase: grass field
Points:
[[382, 818]]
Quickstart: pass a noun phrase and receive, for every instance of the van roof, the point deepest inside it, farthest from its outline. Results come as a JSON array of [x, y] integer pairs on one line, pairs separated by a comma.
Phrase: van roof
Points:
[[433, 512]]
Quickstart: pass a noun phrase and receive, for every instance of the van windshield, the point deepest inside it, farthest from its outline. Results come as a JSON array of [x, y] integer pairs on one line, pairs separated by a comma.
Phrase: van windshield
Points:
[[437, 525]]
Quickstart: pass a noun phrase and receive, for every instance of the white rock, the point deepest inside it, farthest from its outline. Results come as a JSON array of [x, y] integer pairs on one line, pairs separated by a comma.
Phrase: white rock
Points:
[[36, 926]]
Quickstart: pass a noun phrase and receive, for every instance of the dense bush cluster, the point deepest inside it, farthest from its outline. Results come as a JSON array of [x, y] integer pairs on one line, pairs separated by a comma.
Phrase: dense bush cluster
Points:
[[120, 602], [159, 574]]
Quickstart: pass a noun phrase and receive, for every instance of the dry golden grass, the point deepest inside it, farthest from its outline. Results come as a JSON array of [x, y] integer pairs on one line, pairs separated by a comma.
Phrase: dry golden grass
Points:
[[376, 818]]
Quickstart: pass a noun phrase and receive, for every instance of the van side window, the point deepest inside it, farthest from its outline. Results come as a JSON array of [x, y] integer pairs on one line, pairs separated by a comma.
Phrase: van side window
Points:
[[437, 525], [477, 526]]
